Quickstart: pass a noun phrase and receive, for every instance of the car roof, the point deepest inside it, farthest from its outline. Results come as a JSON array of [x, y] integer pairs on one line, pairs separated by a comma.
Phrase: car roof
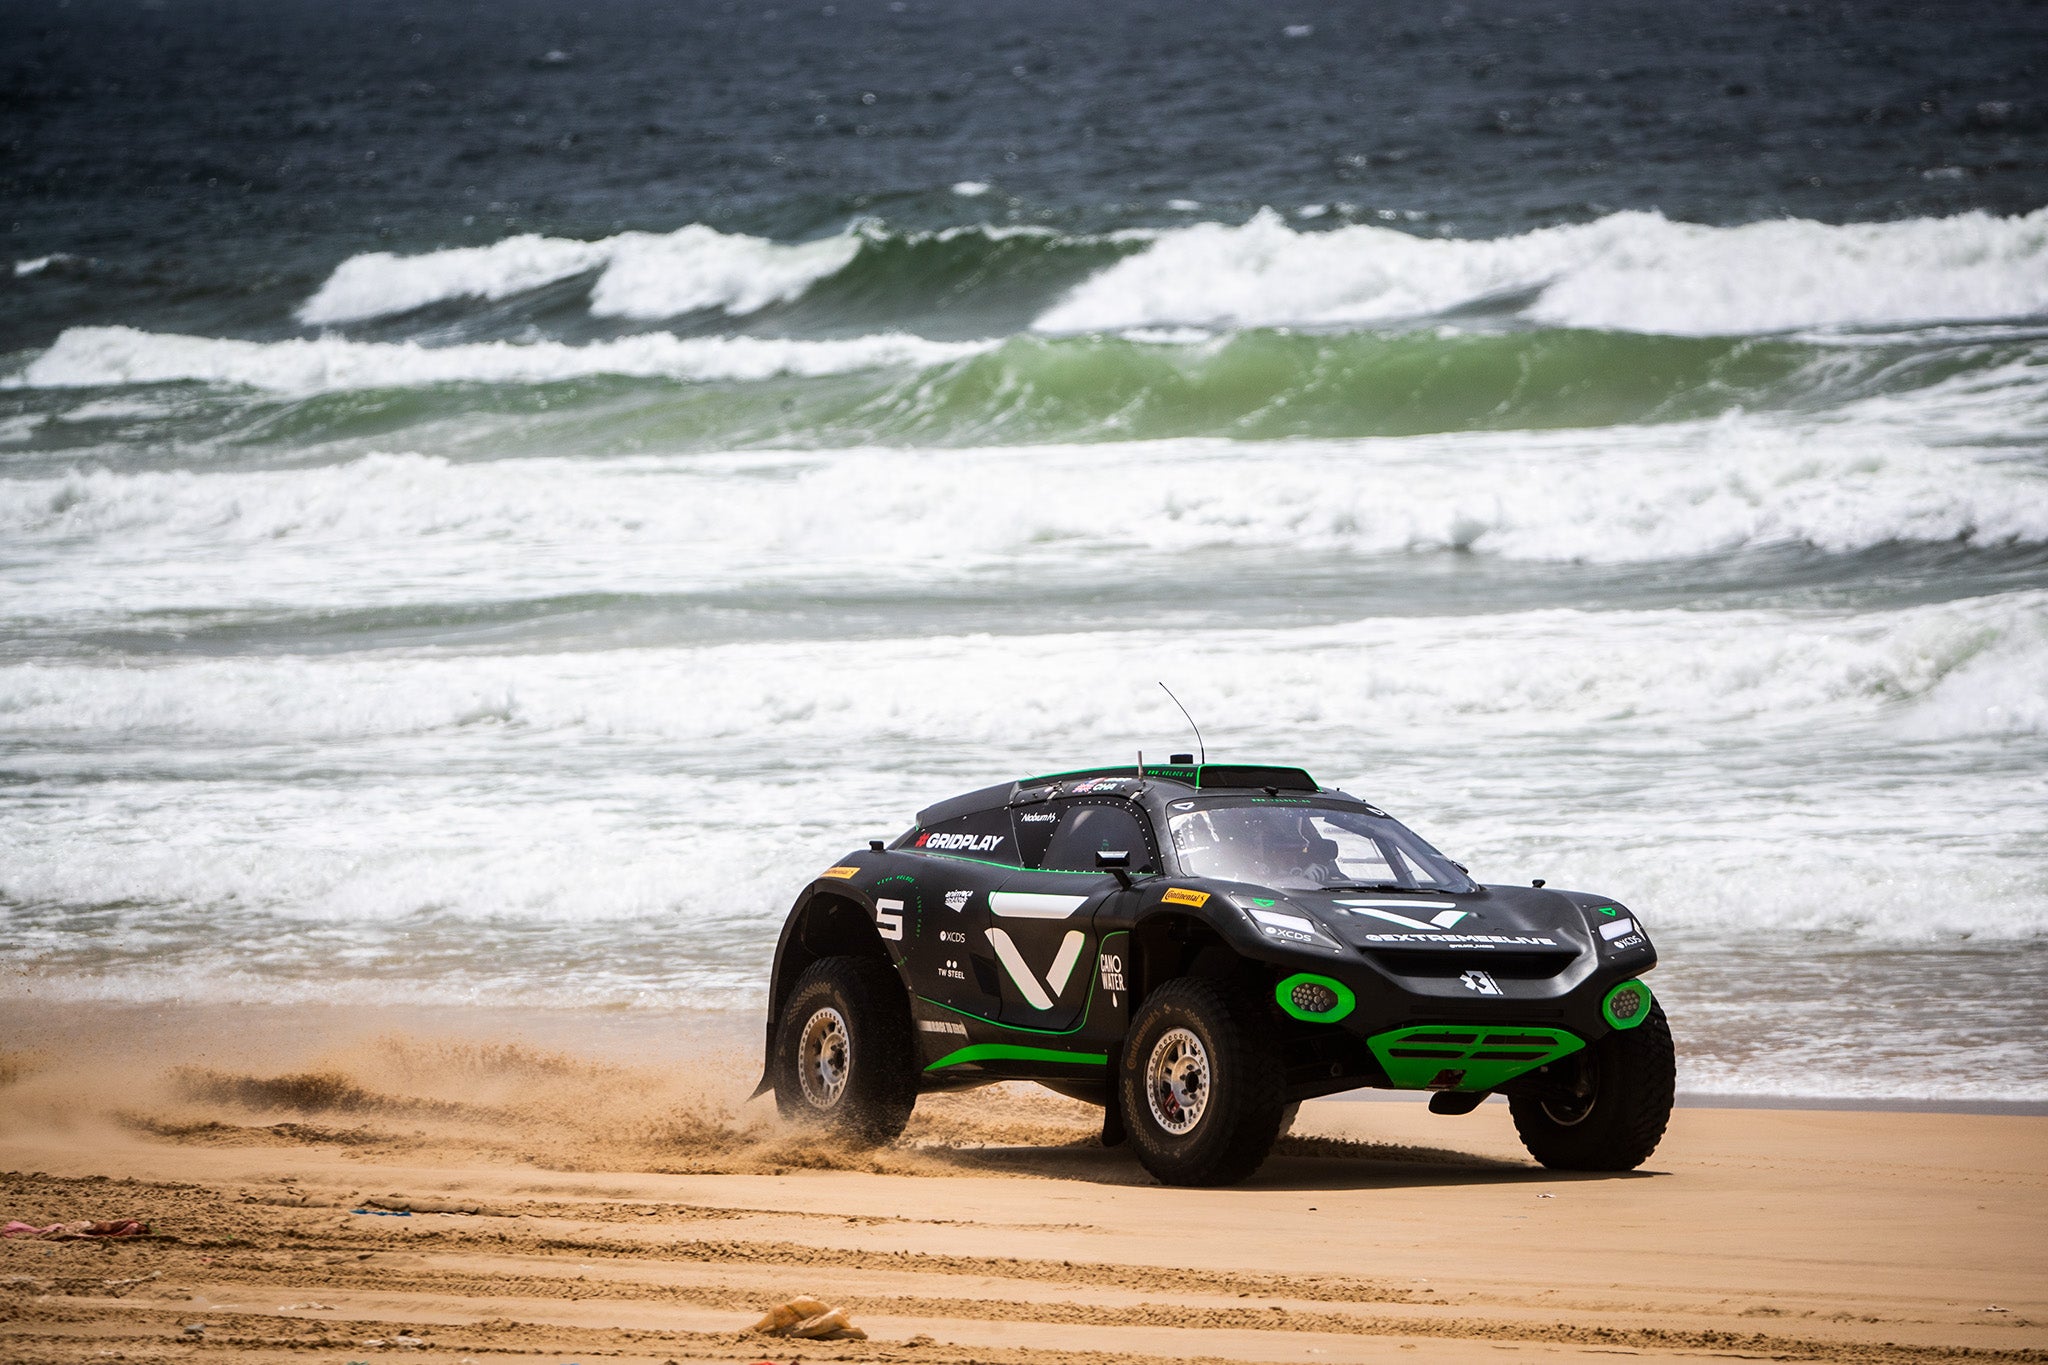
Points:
[[1207, 777]]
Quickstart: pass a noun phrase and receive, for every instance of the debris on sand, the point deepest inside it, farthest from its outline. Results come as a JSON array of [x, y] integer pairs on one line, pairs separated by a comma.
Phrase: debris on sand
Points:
[[65, 1232], [400, 1203], [809, 1318]]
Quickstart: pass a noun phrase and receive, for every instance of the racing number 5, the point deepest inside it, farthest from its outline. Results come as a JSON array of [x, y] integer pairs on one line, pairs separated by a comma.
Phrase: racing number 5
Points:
[[889, 919]]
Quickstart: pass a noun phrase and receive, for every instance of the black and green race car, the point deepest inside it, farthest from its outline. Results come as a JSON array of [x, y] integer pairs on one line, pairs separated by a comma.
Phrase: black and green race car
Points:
[[1197, 948]]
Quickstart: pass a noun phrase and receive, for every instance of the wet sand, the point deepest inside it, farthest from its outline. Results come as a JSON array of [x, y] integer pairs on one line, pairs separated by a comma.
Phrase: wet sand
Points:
[[634, 1208]]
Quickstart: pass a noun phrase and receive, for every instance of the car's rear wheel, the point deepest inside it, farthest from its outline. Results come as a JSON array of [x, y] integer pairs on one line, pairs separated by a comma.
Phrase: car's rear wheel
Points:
[[1200, 1084], [845, 1054], [1609, 1104]]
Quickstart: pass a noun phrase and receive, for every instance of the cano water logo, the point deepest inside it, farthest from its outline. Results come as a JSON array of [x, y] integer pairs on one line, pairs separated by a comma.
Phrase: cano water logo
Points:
[[1480, 982], [1112, 973], [956, 901]]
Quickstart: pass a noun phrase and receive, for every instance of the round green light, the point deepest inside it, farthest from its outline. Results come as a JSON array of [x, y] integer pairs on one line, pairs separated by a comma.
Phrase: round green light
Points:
[[1304, 989], [1627, 1005]]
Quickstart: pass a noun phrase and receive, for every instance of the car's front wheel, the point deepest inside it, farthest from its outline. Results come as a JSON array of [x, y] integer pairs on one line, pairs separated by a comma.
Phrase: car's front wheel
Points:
[[845, 1054], [1200, 1084], [1609, 1104]]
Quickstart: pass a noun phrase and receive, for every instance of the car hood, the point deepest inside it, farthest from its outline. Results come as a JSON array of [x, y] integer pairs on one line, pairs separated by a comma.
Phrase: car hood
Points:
[[1492, 919]]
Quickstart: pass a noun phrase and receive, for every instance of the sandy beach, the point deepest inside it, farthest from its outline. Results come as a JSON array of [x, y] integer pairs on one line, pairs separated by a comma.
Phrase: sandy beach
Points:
[[601, 1202]]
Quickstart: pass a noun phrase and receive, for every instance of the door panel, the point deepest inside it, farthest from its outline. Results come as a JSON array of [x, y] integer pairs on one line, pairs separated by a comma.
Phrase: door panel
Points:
[[946, 935], [1040, 934]]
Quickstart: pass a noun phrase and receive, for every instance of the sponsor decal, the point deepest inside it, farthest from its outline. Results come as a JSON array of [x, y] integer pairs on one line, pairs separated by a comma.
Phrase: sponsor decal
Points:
[[889, 919], [941, 1026], [952, 971], [1033, 904], [962, 843], [1181, 895], [1288, 934], [1112, 973], [1263, 901], [841, 872], [951, 936], [1447, 914], [1039, 817], [1607, 910], [956, 901], [1617, 929], [1480, 982], [1273, 919], [1100, 784], [1445, 1079], [1468, 940], [1630, 942], [1039, 996]]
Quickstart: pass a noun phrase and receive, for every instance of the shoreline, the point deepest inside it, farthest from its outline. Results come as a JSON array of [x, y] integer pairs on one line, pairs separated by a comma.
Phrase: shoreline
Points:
[[260, 1033]]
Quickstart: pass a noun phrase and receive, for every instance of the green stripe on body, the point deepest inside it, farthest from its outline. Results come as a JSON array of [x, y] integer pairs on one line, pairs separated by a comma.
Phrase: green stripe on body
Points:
[[1015, 1052]]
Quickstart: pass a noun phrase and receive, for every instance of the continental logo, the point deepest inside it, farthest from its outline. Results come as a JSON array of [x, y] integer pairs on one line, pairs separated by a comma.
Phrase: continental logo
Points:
[[842, 873], [1180, 895]]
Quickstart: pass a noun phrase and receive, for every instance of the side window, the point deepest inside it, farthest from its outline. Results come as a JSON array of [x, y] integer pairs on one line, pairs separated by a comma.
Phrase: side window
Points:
[[1088, 828], [1034, 826], [984, 834]]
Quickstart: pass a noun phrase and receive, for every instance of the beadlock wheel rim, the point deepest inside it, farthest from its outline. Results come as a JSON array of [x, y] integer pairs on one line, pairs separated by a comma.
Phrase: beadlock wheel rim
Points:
[[824, 1057], [1584, 1088], [1177, 1081]]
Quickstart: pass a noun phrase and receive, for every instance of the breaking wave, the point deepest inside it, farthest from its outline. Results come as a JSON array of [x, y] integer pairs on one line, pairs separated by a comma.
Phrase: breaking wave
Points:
[[102, 356], [397, 529], [895, 389], [1627, 272], [1632, 271], [643, 274], [1573, 672]]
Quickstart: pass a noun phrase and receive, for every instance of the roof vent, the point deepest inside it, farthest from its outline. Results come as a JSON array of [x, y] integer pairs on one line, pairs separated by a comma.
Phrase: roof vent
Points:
[[1181, 760]]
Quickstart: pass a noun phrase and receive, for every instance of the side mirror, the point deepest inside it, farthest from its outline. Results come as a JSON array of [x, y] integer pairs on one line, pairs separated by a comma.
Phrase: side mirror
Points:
[[1117, 863]]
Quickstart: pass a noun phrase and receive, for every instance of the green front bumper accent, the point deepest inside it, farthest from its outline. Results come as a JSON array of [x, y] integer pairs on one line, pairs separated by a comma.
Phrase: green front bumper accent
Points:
[[1013, 1052], [1454, 1057]]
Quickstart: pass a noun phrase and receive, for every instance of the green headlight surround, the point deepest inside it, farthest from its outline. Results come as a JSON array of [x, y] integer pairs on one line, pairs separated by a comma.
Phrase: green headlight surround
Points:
[[1346, 1000], [1633, 999]]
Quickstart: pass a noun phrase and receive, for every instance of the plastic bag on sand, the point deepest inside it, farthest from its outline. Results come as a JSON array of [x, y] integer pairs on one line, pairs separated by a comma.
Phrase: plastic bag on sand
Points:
[[812, 1319]]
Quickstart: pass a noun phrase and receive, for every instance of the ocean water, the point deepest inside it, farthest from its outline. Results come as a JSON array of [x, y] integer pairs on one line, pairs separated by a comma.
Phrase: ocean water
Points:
[[493, 498]]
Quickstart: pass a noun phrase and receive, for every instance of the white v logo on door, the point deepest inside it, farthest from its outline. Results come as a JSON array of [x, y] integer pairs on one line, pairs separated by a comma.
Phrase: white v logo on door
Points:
[[1027, 980]]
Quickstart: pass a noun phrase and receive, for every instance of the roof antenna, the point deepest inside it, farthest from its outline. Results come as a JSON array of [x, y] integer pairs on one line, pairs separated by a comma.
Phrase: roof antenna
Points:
[[1199, 747]]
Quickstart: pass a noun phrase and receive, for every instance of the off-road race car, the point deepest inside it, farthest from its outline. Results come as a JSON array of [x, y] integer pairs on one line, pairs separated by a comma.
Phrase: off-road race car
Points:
[[1197, 948]]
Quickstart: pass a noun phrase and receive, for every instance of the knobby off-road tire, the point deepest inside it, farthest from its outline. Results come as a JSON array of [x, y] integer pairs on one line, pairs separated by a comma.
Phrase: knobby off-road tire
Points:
[[845, 1052], [1622, 1088], [1200, 1082]]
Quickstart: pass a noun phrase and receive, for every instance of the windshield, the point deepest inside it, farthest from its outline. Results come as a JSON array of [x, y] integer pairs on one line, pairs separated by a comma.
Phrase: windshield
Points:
[[1303, 847]]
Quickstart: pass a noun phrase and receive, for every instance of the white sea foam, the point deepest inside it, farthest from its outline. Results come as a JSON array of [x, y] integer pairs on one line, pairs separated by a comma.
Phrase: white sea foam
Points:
[[105, 356], [1552, 672], [39, 264], [1629, 271], [1710, 754], [645, 274], [398, 529]]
